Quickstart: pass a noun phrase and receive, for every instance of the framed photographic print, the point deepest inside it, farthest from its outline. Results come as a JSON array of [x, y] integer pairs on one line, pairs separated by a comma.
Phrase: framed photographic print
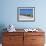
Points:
[[26, 14]]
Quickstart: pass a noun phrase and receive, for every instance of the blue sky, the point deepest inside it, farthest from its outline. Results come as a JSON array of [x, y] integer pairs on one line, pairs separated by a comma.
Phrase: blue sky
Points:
[[26, 11]]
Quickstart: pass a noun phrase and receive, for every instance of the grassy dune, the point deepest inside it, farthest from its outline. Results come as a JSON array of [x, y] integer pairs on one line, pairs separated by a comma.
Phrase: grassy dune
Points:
[[29, 15]]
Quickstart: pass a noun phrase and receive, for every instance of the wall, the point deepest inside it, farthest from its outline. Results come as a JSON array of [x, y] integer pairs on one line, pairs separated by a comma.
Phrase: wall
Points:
[[9, 13]]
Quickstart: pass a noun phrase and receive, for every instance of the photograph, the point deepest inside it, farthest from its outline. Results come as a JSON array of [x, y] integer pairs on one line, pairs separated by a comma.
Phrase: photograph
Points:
[[26, 13]]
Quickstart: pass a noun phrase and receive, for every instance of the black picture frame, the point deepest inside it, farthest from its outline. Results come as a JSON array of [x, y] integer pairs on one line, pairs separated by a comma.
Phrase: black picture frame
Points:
[[25, 14]]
